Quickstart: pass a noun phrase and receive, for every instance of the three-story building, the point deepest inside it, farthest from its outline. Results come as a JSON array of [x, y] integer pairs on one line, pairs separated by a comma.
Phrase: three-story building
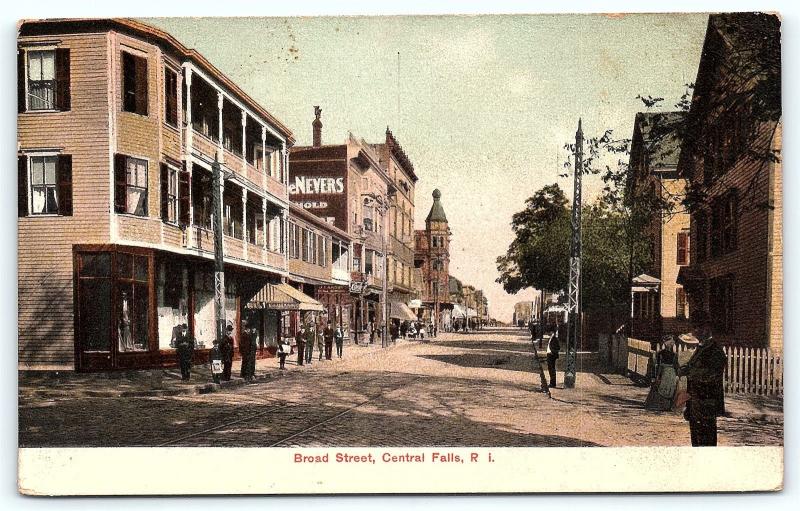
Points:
[[118, 126]]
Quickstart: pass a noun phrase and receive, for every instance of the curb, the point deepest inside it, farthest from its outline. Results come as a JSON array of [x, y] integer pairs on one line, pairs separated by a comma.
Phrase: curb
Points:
[[203, 388]]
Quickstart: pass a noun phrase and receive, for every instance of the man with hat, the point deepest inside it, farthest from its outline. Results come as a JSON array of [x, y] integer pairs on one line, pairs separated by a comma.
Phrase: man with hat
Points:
[[704, 374], [300, 340], [226, 349], [184, 346]]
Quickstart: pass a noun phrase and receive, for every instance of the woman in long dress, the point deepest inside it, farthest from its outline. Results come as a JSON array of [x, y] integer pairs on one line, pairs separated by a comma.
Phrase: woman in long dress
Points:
[[662, 391]]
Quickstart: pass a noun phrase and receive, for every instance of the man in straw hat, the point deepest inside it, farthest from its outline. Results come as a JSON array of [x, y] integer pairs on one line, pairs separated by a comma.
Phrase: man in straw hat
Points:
[[704, 373]]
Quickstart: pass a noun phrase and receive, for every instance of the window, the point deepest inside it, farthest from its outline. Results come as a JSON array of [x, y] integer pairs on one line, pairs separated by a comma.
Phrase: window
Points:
[[683, 248], [721, 304], [130, 190], [368, 262], [41, 80], [171, 97], [169, 194], [45, 185], [133, 302], [134, 84], [201, 197], [723, 224], [680, 303]]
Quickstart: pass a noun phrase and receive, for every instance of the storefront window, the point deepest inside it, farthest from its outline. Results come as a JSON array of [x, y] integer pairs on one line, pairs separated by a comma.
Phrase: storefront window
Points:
[[94, 301], [173, 302], [133, 304]]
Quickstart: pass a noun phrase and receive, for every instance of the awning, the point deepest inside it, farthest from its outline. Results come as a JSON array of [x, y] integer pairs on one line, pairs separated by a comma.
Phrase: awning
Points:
[[401, 311], [641, 289], [283, 297], [471, 313], [689, 275], [458, 311]]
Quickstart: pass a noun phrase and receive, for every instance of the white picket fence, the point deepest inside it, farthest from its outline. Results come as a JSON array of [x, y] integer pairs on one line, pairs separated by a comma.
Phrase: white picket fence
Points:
[[748, 370]]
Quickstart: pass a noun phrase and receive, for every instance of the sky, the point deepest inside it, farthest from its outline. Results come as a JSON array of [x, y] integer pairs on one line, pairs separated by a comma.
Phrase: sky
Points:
[[482, 105]]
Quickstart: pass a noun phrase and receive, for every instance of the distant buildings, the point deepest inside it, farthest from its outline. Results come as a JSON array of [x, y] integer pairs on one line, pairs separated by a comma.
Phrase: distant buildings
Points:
[[432, 258]]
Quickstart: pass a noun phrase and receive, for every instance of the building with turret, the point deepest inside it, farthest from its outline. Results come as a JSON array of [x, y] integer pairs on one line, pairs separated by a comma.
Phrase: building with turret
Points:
[[432, 258]]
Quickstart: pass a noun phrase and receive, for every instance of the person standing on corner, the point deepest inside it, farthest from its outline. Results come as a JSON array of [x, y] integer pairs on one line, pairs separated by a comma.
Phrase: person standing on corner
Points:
[[704, 383], [185, 350], [300, 340], [226, 348], [328, 334], [215, 361], [310, 338], [283, 351], [320, 340], [553, 347], [338, 336]]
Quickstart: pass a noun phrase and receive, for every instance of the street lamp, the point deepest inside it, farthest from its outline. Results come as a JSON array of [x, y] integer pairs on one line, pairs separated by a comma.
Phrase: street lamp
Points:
[[382, 201]]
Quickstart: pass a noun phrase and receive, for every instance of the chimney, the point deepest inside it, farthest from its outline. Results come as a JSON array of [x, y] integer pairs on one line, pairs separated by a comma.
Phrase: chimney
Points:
[[317, 124]]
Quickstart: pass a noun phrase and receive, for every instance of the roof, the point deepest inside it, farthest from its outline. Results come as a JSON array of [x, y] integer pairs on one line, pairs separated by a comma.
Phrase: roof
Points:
[[660, 134], [66, 25], [436, 213]]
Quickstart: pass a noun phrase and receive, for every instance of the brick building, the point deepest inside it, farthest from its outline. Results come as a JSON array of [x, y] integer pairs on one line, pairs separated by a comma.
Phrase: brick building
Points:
[[118, 125], [658, 302], [366, 191], [432, 258], [728, 156]]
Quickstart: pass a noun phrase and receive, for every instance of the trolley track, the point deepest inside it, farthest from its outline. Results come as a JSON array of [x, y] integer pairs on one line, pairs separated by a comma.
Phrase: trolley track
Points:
[[391, 386]]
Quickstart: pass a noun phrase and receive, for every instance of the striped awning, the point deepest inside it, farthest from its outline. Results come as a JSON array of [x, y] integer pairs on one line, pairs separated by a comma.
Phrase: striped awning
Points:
[[283, 297], [401, 311]]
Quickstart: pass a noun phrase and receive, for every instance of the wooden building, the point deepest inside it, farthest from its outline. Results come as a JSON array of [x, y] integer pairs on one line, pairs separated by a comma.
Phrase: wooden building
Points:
[[118, 125], [731, 158], [658, 302]]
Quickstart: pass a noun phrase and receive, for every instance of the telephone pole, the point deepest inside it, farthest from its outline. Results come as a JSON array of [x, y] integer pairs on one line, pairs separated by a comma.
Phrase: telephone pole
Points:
[[574, 310], [218, 184]]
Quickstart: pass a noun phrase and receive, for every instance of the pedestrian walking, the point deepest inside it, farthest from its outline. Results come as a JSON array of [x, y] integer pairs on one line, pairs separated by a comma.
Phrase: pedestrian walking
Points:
[[371, 331], [662, 389], [704, 373], [184, 346], [310, 340], [300, 340], [338, 336], [226, 348], [553, 347], [215, 361], [422, 332], [283, 350], [328, 334]]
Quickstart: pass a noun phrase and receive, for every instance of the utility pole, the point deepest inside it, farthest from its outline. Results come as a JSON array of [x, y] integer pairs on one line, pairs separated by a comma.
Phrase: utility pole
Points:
[[385, 288], [218, 183], [574, 310]]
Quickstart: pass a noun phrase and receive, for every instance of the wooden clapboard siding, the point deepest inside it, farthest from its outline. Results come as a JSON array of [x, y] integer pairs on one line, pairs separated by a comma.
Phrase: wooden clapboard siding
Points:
[[171, 141], [775, 250], [749, 262], [138, 135], [139, 229], [277, 188], [172, 235], [45, 281]]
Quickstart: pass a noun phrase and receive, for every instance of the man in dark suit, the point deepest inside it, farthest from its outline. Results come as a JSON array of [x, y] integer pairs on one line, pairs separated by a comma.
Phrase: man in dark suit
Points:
[[184, 346], [704, 374], [553, 347], [226, 349], [300, 340]]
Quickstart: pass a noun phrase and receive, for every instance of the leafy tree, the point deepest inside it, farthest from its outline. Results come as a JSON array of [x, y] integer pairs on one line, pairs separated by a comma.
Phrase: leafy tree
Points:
[[539, 254]]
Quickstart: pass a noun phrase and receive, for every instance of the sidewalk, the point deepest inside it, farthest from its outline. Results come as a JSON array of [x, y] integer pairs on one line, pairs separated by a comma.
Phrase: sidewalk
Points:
[[33, 385]]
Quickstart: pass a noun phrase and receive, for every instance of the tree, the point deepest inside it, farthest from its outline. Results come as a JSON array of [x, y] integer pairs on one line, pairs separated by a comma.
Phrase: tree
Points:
[[538, 256]]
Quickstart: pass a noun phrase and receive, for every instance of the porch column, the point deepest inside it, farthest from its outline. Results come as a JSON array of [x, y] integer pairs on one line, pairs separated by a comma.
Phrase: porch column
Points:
[[244, 139], [220, 101], [188, 133], [187, 150], [244, 221], [264, 237], [284, 164], [264, 169]]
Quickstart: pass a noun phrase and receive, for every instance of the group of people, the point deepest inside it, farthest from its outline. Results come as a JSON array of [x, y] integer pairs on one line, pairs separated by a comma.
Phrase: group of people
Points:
[[221, 354], [703, 398], [314, 334], [413, 330]]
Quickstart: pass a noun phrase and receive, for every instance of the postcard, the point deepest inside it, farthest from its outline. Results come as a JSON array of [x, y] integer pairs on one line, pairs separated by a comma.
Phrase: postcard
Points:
[[400, 254]]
